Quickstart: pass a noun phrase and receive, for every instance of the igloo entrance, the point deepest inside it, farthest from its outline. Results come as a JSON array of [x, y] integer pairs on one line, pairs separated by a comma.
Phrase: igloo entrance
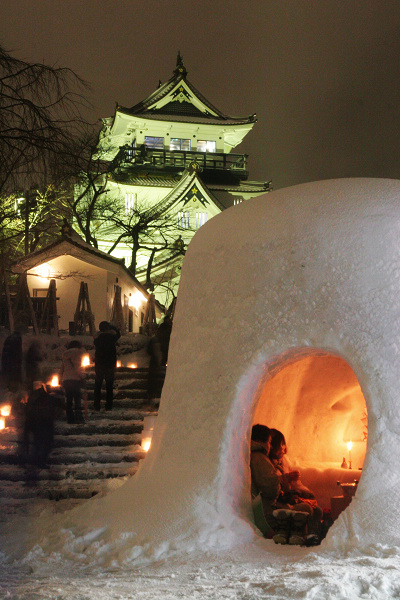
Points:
[[317, 403]]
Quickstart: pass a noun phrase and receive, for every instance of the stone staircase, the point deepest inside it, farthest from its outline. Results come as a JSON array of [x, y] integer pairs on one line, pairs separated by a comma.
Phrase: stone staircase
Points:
[[87, 459]]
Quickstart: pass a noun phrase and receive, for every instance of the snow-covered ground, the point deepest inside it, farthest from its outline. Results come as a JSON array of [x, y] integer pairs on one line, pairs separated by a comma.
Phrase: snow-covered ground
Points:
[[249, 572], [313, 275]]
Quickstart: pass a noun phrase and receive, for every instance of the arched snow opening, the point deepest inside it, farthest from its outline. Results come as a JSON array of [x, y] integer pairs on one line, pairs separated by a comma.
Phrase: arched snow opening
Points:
[[316, 401]]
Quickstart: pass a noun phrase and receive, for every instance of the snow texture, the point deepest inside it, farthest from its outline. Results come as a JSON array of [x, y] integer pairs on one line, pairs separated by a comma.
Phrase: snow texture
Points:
[[303, 271]]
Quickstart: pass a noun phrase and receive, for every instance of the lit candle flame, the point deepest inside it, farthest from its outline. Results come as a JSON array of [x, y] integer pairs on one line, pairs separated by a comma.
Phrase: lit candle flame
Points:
[[55, 382], [85, 360], [146, 443], [349, 445], [2, 423], [5, 411], [118, 363], [132, 365]]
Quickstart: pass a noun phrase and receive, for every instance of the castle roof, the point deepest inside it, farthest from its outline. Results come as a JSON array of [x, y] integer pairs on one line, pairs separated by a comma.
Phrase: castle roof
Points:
[[179, 100]]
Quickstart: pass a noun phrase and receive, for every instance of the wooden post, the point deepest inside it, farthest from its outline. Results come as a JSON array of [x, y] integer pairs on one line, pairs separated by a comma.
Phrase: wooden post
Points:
[[117, 316], [7, 298], [149, 321], [83, 313], [49, 320], [23, 308]]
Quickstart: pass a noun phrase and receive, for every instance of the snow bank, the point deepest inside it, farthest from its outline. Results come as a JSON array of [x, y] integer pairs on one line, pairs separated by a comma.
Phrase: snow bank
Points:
[[301, 271]]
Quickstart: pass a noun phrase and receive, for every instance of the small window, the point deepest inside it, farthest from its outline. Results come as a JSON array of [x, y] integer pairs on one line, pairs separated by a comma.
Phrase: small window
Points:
[[156, 143], [237, 200], [201, 218], [180, 144], [184, 219], [39, 292], [206, 146]]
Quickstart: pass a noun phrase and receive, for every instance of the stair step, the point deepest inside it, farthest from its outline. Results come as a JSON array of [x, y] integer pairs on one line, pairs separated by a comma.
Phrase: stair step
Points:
[[46, 489], [17, 473], [114, 440], [99, 427]]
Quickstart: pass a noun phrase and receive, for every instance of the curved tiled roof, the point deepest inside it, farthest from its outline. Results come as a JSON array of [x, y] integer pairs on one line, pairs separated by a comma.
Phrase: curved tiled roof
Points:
[[185, 110]]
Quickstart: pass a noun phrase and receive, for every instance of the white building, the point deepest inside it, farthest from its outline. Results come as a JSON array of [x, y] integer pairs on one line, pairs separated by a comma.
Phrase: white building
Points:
[[70, 261], [173, 151]]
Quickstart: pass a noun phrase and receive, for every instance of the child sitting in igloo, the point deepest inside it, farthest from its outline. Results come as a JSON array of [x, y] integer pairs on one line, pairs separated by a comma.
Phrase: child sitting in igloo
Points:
[[291, 484], [287, 520]]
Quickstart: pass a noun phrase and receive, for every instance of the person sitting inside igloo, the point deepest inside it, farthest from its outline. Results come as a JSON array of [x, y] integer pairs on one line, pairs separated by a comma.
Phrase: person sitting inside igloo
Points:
[[291, 485], [295, 522]]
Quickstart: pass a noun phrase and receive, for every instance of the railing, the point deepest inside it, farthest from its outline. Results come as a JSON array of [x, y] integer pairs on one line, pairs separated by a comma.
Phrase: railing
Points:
[[183, 159]]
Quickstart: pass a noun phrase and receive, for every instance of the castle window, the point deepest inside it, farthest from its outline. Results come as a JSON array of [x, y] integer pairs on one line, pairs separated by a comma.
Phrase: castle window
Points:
[[184, 219], [180, 144], [201, 218], [156, 143], [206, 146]]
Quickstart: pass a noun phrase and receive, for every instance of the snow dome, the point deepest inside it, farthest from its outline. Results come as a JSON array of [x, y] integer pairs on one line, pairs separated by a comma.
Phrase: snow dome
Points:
[[306, 276], [288, 314]]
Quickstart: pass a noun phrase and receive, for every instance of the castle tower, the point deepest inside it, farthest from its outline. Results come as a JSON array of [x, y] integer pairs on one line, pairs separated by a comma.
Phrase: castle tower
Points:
[[173, 161]]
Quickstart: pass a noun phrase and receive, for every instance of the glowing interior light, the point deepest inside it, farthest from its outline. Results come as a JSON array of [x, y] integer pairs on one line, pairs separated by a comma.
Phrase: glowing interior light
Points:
[[146, 443], [85, 360], [55, 382], [43, 271], [136, 299], [5, 410], [118, 364], [132, 365], [2, 423]]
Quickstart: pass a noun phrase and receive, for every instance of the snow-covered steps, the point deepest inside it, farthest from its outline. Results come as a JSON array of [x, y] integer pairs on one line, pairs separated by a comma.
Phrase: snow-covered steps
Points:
[[87, 458], [99, 428]]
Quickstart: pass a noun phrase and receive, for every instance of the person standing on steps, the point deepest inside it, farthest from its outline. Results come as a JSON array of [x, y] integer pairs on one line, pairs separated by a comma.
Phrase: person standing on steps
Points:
[[105, 359], [73, 380]]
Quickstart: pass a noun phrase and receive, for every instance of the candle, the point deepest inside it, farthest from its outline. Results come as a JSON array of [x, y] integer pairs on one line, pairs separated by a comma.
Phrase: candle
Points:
[[349, 446]]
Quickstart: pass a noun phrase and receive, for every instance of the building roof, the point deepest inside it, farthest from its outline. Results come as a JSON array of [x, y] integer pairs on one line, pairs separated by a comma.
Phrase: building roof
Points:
[[73, 245], [146, 179], [179, 100]]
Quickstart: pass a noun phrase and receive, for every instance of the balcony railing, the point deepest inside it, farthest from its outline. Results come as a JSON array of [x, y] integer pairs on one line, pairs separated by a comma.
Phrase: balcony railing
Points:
[[182, 159]]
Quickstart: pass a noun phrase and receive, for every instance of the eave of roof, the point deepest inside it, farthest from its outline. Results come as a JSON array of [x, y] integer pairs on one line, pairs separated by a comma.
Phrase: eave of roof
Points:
[[145, 108], [159, 116], [82, 245]]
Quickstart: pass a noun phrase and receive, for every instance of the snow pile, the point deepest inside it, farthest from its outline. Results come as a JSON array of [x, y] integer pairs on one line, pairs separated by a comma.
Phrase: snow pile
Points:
[[310, 269]]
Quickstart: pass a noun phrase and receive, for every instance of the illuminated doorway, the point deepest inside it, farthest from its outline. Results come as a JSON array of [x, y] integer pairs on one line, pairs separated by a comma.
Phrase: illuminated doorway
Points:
[[318, 404]]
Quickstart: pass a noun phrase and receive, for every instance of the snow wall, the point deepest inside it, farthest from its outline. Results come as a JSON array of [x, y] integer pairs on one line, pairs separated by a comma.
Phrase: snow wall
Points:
[[305, 270]]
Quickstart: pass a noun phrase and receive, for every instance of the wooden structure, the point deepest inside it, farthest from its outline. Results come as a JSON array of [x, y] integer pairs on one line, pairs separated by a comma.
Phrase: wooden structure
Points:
[[83, 314], [6, 289], [23, 310], [49, 320], [117, 317], [149, 322]]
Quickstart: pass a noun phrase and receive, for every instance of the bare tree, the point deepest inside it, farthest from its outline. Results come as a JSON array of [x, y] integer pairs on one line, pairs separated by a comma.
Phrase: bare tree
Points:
[[40, 112], [90, 201], [40, 117], [142, 227]]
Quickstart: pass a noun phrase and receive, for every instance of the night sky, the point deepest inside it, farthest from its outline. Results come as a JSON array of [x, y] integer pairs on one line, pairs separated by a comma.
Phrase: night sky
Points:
[[323, 76]]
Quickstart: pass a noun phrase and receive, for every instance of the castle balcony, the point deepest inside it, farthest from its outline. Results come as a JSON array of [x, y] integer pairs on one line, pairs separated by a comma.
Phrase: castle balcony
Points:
[[178, 160]]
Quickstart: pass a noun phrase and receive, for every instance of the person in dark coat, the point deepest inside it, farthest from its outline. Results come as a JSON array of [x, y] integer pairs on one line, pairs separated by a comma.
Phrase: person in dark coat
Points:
[[163, 336], [158, 350], [105, 360], [41, 410], [11, 361], [33, 364]]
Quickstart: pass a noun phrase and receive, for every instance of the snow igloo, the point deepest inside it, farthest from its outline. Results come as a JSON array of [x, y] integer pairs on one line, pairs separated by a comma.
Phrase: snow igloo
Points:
[[289, 315]]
